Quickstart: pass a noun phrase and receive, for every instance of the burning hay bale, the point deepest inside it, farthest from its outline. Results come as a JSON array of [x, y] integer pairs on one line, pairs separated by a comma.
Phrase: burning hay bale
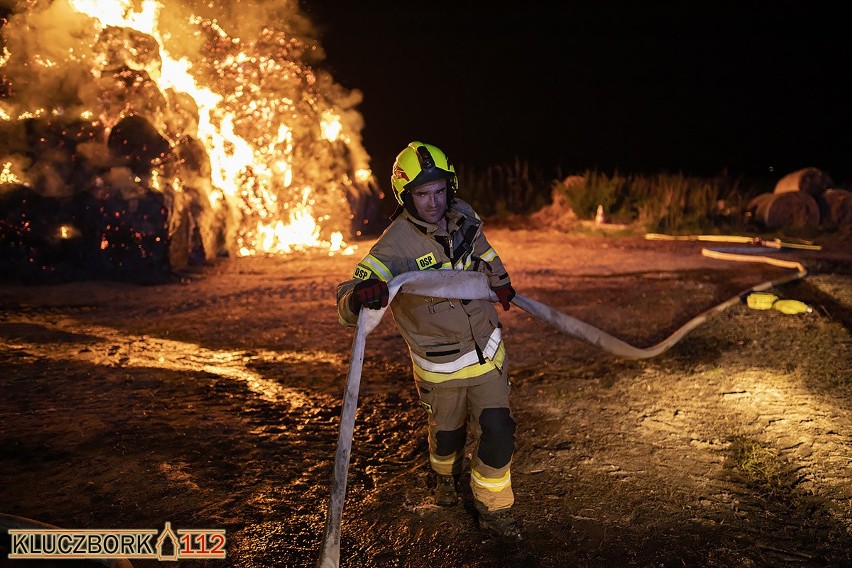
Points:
[[83, 237], [169, 138], [93, 206], [136, 143]]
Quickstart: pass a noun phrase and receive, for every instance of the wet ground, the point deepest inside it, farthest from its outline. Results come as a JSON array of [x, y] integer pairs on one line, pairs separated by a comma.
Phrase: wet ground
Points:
[[214, 402]]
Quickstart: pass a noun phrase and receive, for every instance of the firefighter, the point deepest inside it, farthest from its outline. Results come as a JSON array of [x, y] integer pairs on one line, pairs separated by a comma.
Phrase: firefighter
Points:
[[457, 352]]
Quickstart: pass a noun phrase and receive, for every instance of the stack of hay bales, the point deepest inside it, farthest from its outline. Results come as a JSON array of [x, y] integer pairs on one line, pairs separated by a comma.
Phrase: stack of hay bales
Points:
[[804, 198]]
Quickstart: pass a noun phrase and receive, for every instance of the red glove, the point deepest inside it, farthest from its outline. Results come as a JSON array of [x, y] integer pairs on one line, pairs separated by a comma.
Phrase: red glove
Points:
[[504, 295], [372, 293]]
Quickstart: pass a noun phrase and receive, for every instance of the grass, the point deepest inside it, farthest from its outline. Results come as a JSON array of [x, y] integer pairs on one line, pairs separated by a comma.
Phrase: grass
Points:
[[758, 464]]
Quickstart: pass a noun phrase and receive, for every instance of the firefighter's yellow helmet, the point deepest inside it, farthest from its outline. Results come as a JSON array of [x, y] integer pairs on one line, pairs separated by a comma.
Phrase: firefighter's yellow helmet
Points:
[[419, 163]]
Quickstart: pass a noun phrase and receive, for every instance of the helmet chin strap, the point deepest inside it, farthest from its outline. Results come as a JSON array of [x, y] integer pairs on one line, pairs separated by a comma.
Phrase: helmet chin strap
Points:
[[408, 203]]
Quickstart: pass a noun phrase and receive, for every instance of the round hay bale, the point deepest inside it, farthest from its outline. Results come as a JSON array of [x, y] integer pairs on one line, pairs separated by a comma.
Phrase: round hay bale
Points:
[[836, 207], [810, 180], [785, 210], [758, 202]]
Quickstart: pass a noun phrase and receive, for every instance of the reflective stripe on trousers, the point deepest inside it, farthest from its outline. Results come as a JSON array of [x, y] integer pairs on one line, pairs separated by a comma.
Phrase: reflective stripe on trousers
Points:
[[453, 411]]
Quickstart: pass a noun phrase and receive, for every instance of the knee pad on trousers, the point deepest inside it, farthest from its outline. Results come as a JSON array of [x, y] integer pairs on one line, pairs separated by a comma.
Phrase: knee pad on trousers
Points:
[[450, 441], [497, 443]]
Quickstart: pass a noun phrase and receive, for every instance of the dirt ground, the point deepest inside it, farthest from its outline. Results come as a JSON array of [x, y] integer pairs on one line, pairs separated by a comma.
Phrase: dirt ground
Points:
[[214, 402]]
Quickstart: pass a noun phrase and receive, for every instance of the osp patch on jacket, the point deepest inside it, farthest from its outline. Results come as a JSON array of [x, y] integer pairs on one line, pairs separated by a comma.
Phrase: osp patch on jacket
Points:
[[362, 273], [427, 261]]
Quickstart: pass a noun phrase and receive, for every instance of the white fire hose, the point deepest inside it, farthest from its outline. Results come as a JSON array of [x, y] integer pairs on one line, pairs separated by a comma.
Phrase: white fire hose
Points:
[[474, 286]]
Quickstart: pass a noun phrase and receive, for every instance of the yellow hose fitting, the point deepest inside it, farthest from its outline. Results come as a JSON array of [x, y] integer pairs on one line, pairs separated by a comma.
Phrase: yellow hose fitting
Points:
[[767, 301], [761, 300], [791, 307]]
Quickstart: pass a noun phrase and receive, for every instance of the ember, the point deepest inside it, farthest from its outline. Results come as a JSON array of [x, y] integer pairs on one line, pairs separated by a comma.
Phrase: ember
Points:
[[138, 138]]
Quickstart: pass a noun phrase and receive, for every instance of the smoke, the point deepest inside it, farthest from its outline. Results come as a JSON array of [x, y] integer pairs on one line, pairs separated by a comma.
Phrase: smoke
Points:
[[39, 73], [85, 107]]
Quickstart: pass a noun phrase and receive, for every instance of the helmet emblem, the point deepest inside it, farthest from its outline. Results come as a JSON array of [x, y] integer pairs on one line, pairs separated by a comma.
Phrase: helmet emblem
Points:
[[399, 173]]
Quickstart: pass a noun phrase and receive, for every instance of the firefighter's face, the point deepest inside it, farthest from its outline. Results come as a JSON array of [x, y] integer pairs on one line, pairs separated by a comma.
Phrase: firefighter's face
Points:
[[430, 200]]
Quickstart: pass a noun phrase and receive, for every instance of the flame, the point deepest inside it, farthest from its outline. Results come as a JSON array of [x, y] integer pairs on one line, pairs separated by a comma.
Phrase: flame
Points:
[[31, 114], [249, 174], [330, 125], [44, 62], [302, 231], [7, 176]]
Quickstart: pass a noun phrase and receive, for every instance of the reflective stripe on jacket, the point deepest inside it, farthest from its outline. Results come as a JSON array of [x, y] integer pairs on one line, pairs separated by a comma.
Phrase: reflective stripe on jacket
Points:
[[467, 366], [449, 339]]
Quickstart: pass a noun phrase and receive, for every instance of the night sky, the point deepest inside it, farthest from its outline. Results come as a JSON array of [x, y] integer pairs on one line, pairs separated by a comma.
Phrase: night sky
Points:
[[751, 88]]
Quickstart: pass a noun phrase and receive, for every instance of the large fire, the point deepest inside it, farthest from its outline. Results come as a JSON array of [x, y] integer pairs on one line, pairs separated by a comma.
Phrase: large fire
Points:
[[213, 110]]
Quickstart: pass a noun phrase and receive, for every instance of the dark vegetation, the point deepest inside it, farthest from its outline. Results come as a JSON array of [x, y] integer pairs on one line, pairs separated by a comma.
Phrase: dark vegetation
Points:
[[661, 202]]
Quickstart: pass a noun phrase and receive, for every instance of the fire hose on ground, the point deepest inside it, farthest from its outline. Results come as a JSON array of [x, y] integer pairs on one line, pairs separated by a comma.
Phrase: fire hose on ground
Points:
[[474, 286]]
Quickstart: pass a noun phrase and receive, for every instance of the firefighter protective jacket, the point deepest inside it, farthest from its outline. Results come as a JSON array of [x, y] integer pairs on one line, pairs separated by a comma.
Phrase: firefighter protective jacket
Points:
[[452, 342]]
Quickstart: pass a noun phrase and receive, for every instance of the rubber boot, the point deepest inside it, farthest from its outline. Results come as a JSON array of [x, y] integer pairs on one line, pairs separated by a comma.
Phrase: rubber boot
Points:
[[445, 491], [501, 523]]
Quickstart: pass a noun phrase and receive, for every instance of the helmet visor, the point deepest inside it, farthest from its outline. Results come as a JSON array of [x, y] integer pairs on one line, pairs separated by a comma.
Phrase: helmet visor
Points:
[[425, 176]]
